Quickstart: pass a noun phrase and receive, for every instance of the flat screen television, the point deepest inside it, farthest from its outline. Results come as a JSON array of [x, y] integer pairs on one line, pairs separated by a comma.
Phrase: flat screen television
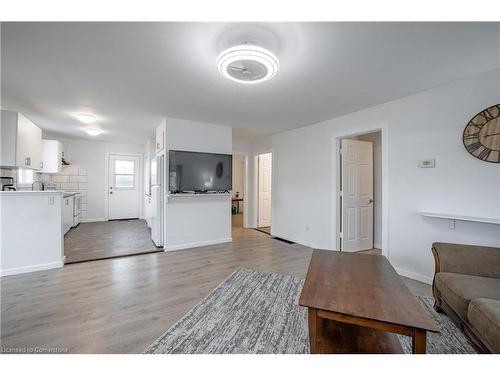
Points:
[[199, 172]]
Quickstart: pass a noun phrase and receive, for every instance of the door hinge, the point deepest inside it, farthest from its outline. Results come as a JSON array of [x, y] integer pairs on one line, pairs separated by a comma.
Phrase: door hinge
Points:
[[340, 235], [340, 151], [341, 193]]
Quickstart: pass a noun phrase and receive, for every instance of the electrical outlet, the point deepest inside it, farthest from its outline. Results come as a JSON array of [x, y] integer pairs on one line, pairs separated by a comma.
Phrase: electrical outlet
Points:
[[451, 224], [427, 163]]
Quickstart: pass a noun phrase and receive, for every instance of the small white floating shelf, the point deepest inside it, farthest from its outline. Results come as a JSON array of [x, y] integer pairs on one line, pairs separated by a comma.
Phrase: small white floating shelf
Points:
[[476, 219]]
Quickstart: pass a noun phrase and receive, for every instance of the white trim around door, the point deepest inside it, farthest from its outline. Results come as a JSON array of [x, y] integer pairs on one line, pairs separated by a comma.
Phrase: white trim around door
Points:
[[357, 195], [336, 178]]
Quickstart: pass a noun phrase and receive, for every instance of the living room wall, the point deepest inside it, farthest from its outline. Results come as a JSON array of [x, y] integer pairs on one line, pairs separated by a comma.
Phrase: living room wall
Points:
[[197, 220], [427, 125]]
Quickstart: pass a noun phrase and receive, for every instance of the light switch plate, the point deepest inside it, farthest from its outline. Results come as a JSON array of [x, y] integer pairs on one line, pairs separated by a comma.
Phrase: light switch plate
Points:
[[51, 200], [427, 163]]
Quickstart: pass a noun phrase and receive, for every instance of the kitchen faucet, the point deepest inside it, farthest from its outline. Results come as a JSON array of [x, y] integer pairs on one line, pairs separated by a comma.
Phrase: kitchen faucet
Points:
[[38, 182]]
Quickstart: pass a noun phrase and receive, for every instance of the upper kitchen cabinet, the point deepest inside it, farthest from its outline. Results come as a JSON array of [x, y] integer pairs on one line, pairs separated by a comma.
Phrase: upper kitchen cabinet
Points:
[[51, 156], [21, 142], [160, 137]]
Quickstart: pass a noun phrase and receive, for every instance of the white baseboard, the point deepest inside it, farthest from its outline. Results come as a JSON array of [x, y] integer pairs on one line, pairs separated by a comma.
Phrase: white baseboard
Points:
[[94, 220], [26, 269], [299, 241], [197, 244], [414, 275]]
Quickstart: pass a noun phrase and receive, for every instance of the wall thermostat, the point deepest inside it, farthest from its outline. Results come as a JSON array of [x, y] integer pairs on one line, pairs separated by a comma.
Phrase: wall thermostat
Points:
[[427, 163]]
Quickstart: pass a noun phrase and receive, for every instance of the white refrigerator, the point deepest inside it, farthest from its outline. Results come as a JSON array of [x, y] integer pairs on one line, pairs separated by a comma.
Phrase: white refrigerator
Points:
[[157, 200]]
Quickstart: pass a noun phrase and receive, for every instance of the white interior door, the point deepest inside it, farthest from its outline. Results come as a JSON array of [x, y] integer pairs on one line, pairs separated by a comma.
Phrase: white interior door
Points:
[[123, 187], [357, 195], [265, 166]]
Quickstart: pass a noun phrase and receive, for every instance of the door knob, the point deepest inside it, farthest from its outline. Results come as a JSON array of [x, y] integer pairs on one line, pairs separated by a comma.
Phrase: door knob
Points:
[[370, 200], [110, 192]]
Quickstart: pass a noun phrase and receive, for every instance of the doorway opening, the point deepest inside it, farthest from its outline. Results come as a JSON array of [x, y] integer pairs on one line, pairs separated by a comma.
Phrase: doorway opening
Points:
[[264, 192], [360, 193], [122, 232], [238, 193]]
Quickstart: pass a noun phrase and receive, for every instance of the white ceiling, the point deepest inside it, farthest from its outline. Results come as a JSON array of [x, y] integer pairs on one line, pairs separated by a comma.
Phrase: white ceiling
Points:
[[130, 75]]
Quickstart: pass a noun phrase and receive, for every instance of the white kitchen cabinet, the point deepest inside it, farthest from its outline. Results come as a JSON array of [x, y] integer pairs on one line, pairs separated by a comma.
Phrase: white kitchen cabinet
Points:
[[21, 142], [51, 156], [67, 213], [160, 137]]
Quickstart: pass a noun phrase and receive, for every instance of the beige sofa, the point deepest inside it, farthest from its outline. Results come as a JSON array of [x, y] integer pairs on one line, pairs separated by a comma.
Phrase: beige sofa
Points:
[[466, 287]]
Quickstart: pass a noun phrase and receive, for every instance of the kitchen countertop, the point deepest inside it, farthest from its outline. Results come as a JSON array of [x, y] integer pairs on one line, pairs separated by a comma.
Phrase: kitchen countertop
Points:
[[65, 194], [28, 192]]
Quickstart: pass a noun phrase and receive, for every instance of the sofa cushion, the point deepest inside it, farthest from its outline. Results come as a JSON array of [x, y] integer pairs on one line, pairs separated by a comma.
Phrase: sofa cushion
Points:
[[484, 317], [458, 290]]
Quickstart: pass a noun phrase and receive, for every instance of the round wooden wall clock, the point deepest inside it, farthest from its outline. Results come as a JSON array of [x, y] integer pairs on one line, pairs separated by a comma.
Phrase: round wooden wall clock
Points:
[[482, 135]]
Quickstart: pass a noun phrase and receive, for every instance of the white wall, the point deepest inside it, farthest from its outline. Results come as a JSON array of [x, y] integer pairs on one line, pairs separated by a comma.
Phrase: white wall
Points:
[[201, 220], [240, 145], [426, 125], [92, 156]]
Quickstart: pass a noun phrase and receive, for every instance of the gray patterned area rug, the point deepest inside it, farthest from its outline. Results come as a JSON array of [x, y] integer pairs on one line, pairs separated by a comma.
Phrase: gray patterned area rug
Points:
[[255, 312]]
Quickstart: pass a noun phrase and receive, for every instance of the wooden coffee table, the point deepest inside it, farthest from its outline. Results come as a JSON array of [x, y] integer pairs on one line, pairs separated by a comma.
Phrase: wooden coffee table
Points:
[[358, 303]]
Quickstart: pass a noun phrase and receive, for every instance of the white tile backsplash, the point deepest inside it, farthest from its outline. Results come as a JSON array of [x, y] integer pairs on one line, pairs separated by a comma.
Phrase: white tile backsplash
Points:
[[72, 178], [45, 177], [69, 186], [59, 178], [70, 170], [77, 178]]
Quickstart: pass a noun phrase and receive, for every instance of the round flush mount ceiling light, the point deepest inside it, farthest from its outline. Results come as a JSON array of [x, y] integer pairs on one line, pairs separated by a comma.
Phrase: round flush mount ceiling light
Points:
[[247, 64], [93, 131], [85, 118]]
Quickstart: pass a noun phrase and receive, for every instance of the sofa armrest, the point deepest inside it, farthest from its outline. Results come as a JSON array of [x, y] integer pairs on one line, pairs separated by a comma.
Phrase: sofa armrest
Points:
[[467, 259]]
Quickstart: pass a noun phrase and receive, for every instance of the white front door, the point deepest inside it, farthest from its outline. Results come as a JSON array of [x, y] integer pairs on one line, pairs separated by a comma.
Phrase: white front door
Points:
[[357, 195], [265, 166], [123, 187]]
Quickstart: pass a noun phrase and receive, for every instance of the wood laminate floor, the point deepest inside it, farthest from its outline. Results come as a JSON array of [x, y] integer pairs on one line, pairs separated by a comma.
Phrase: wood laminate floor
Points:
[[373, 251], [122, 305], [266, 230], [100, 240]]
